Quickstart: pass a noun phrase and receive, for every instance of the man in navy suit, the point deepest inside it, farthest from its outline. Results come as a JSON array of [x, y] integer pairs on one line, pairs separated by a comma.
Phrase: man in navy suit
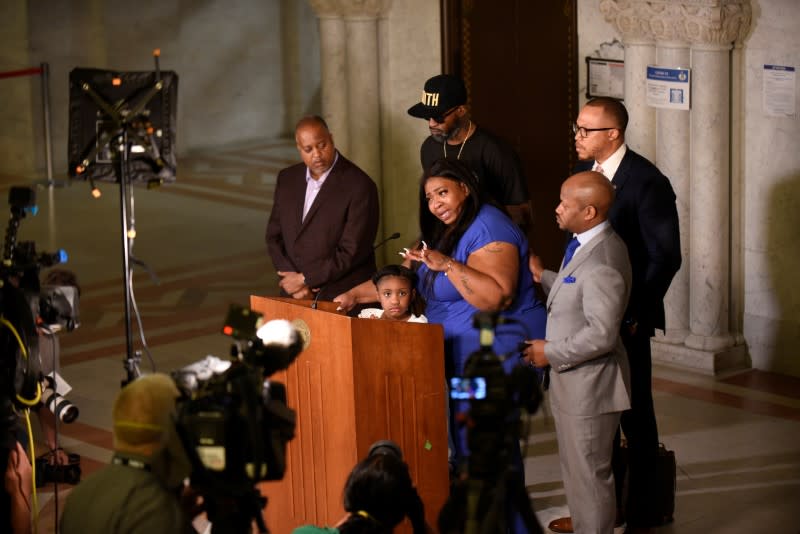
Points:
[[324, 219], [644, 215]]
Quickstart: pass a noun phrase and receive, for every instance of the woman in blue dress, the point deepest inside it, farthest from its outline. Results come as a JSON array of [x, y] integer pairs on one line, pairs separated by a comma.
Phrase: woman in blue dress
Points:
[[472, 258]]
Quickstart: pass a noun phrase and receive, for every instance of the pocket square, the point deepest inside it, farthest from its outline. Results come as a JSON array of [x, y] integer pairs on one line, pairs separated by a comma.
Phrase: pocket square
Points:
[[569, 279]]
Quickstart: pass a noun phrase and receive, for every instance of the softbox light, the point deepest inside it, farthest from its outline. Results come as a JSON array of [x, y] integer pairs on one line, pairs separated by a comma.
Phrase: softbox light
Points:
[[104, 104]]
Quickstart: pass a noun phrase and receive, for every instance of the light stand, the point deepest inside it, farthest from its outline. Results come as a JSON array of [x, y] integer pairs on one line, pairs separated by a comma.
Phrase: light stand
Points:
[[126, 124], [131, 362]]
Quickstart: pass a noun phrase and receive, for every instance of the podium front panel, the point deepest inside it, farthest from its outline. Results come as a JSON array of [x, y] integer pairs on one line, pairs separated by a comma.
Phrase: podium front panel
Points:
[[359, 381]]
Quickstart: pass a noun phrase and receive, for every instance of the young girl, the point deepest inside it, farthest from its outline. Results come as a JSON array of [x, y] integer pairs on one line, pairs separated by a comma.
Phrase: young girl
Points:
[[397, 295]]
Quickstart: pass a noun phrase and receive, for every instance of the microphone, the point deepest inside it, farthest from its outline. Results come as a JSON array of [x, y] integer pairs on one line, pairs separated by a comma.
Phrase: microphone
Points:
[[395, 235], [316, 298]]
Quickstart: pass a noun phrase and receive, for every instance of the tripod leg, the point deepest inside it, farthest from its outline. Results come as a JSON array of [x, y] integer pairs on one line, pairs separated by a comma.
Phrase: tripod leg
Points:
[[522, 504]]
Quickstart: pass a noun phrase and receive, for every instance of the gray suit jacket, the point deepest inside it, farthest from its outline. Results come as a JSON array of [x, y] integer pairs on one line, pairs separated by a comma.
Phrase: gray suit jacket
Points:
[[586, 302]]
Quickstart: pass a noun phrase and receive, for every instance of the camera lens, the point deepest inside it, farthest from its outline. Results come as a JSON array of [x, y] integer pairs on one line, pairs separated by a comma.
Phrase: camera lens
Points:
[[61, 407]]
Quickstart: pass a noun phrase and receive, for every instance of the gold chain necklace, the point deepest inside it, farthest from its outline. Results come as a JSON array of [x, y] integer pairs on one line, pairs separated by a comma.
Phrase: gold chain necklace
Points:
[[464, 142]]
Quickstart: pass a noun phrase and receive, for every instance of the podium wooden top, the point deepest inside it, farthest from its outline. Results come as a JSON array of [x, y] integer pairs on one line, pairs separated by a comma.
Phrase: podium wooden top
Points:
[[323, 305]]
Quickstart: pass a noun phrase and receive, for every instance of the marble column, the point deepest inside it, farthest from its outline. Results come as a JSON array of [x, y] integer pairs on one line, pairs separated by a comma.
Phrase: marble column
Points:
[[737, 193], [290, 62], [693, 150], [641, 132], [333, 60], [631, 19], [673, 156], [16, 137], [350, 77], [709, 253], [364, 93]]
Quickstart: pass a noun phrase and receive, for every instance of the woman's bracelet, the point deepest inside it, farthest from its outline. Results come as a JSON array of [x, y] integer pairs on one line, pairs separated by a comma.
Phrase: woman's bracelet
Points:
[[448, 266]]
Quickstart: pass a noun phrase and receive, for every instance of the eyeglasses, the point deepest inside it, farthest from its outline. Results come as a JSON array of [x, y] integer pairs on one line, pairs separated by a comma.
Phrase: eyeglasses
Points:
[[584, 132], [441, 118]]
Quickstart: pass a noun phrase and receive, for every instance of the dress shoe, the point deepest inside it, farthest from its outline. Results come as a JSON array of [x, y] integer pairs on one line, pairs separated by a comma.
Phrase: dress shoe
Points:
[[639, 530], [561, 525], [564, 524]]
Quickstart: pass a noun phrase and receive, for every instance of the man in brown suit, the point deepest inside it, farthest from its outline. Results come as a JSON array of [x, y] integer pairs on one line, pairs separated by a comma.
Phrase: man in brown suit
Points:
[[324, 219]]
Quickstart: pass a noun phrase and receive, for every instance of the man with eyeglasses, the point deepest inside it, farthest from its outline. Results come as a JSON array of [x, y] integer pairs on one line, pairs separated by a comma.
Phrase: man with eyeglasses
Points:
[[645, 217], [455, 135]]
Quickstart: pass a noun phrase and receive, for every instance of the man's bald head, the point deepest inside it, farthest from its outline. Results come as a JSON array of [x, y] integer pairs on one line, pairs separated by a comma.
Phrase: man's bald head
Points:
[[315, 144], [594, 189], [586, 198], [314, 121]]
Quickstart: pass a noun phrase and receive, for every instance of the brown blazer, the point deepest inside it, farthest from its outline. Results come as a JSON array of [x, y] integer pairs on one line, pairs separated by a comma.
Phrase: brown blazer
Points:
[[332, 247]]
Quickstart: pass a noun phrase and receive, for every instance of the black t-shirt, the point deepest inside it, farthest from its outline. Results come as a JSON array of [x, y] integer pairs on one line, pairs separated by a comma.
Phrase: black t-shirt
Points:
[[497, 165]]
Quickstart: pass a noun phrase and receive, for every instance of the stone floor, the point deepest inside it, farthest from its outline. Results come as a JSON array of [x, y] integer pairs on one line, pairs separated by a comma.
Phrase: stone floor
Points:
[[735, 438]]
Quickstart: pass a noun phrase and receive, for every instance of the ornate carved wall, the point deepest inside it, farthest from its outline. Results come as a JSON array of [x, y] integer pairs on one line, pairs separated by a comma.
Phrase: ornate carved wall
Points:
[[693, 148]]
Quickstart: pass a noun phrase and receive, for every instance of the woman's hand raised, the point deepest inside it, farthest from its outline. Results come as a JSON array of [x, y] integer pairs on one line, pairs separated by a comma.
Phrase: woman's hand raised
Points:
[[435, 260]]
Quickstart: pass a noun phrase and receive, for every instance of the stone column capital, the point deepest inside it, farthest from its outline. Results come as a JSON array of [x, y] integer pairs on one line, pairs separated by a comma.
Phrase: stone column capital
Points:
[[326, 8], [717, 23], [360, 9]]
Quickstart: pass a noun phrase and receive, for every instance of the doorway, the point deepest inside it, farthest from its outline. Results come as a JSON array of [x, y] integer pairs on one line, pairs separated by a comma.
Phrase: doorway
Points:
[[519, 61]]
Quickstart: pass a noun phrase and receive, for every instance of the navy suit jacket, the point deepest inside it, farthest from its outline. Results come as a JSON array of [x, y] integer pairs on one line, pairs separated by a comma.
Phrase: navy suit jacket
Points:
[[332, 247], [644, 215]]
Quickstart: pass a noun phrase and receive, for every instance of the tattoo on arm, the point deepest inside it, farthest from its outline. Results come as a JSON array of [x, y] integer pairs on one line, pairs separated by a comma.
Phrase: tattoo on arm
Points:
[[494, 247], [465, 281], [462, 276]]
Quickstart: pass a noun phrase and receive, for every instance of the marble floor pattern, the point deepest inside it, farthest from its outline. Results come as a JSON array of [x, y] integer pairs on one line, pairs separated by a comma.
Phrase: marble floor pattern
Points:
[[736, 438]]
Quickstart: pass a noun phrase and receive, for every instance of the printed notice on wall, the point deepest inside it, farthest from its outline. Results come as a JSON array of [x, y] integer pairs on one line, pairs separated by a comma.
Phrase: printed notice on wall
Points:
[[605, 77], [668, 88], [779, 90]]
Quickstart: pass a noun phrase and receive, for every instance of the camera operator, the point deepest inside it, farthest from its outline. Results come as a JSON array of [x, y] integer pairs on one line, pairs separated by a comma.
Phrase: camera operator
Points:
[[21, 389], [19, 374], [15, 504], [378, 495], [141, 490]]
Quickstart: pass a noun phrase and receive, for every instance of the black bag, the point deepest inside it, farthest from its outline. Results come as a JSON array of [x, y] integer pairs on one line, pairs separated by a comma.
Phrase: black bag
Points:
[[667, 483], [662, 509]]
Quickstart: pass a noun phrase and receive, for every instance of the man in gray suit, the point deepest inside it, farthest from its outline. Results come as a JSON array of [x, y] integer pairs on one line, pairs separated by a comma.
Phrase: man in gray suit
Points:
[[589, 375]]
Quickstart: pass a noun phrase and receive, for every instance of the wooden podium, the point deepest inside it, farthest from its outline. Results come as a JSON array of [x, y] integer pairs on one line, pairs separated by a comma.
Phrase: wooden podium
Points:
[[359, 381]]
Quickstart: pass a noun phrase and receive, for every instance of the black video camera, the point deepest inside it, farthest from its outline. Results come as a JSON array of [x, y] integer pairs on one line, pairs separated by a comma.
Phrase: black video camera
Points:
[[480, 497], [495, 399], [233, 421], [21, 302]]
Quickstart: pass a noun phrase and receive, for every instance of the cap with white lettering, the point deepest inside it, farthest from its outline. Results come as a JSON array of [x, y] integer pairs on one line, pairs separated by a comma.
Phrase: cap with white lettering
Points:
[[441, 94]]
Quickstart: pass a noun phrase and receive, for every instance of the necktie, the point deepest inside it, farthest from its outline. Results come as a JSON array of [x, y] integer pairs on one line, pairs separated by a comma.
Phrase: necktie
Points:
[[600, 169], [571, 247]]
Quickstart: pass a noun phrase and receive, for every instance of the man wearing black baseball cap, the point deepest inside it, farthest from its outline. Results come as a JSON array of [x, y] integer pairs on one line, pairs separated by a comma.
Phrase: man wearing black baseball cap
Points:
[[455, 135]]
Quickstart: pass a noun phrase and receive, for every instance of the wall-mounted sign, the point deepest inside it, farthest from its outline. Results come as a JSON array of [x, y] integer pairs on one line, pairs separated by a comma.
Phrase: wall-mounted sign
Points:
[[779, 90], [605, 77], [668, 88]]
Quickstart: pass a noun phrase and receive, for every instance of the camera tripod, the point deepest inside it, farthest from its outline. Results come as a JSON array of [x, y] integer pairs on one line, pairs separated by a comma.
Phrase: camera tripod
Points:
[[234, 512], [490, 500]]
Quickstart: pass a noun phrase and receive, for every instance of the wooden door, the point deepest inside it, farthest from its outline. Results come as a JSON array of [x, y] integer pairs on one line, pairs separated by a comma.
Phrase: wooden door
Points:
[[518, 59]]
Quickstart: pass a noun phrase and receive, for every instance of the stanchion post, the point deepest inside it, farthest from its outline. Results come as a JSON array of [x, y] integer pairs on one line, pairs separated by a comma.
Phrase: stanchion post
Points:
[[48, 134]]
